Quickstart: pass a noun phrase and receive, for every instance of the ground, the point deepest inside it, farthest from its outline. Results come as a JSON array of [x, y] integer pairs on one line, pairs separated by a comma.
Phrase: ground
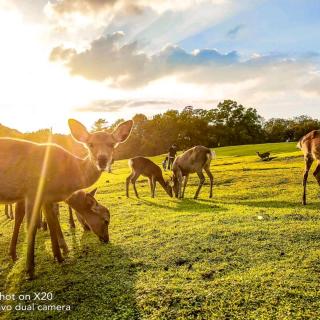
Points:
[[251, 252]]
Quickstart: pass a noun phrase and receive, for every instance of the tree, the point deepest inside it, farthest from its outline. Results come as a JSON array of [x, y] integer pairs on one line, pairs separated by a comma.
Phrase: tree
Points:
[[99, 125]]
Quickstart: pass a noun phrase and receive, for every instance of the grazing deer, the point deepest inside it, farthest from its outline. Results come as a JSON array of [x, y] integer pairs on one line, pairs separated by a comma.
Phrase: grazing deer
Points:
[[147, 168], [193, 160], [310, 146], [8, 210], [41, 174], [95, 216], [263, 156], [90, 213]]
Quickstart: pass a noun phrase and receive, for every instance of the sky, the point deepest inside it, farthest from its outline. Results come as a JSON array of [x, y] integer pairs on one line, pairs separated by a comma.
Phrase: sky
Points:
[[111, 59]]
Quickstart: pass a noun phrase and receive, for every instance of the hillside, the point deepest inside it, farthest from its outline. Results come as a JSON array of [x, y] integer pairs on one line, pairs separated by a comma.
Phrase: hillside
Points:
[[252, 252], [8, 132]]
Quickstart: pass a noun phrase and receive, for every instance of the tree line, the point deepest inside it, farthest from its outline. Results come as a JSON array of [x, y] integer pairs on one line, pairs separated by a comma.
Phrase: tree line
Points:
[[229, 123]]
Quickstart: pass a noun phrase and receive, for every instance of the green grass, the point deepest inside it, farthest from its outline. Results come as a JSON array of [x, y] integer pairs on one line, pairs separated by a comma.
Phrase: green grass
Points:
[[252, 252]]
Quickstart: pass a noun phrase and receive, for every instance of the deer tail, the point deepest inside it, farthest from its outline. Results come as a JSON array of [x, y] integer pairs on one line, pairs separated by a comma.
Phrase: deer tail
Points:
[[210, 155], [299, 145]]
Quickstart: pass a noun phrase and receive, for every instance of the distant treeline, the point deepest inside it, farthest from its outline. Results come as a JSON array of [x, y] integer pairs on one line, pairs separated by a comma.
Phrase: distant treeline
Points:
[[229, 123]]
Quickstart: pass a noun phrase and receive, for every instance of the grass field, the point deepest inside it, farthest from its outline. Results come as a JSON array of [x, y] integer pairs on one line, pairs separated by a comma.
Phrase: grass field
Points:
[[252, 252]]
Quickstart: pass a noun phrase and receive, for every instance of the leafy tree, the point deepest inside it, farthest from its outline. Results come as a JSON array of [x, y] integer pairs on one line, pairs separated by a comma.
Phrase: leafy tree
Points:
[[99, 125]]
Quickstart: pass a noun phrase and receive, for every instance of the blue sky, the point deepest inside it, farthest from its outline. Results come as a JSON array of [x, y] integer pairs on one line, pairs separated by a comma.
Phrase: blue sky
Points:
[[92, 59], [286, 26]]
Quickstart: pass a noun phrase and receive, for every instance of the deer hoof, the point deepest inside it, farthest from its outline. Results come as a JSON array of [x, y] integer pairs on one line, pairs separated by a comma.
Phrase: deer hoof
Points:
[[64, 249], [14, 257], [59, 259], [30, 274]]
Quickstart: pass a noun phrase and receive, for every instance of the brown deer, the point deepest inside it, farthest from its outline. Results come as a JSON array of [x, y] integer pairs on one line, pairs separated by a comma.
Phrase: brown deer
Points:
[[72, 225], [310, 146], [147, 168], [95, 216], [193, 160], [41, 174]]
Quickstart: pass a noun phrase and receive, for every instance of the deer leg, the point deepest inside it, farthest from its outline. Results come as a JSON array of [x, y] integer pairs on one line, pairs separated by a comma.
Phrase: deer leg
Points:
[[19, 215], [309, 162], [201, 182], [179, 179], [133, 181], [53, 222], [151, 186], [127, 184], [40, 220], [71, 220], [154, 182], [11, 211], [185, 181], [207, 170], [44, 225], [32, 211], [316, 173], [62, 243], [6, 210]]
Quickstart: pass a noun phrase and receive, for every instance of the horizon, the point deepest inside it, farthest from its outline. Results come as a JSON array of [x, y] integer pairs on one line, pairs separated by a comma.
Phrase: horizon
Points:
[[88, 60], [89, 125]]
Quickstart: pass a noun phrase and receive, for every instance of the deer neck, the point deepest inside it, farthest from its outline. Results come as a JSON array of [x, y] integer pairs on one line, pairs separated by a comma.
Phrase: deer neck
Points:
[[162, 183], [88, 173]]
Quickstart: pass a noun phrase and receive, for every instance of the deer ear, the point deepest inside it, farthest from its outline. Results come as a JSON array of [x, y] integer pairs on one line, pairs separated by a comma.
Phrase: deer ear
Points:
[[93, 192], [122, 131], [78, 131]]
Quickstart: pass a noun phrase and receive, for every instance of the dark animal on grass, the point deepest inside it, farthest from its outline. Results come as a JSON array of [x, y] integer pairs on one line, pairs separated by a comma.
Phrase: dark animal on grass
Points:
[[310, 146], [90, 212], [42, 174], [263, 156], [194, 160], [147, 168]]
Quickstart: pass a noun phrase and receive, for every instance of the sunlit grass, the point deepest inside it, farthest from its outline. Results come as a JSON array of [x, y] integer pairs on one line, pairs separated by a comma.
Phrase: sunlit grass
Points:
[[252, 252]]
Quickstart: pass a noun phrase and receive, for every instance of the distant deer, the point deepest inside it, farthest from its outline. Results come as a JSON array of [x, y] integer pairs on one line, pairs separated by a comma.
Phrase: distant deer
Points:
[[147, 168], [310, 146], [193, 160], [263, 156], [41, 174], [8, 210], [90, 213]]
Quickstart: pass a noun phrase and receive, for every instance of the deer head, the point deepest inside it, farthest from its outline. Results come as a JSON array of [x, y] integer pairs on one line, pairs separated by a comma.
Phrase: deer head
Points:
[[169, 185], [96, 216], [175, 185], [100, 144]]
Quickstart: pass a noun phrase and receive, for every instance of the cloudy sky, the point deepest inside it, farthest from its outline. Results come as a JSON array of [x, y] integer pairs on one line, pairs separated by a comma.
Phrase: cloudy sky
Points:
[[93, 59]]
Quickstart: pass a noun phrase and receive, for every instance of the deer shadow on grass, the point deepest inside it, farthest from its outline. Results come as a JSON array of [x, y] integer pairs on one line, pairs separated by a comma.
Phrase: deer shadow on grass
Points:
[[109, 276], [187, 204], [280, 204], [96, 280]]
